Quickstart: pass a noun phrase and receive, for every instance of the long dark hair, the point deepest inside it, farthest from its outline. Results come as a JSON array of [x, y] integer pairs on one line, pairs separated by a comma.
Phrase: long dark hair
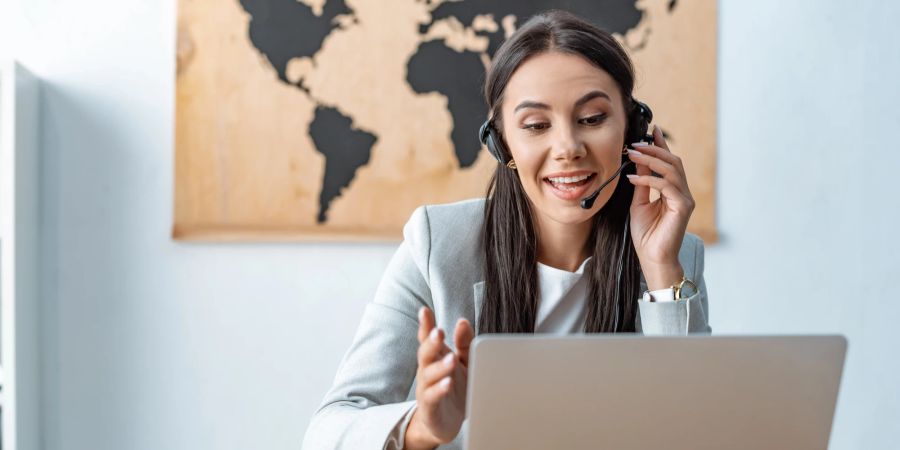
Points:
[[510, 241]]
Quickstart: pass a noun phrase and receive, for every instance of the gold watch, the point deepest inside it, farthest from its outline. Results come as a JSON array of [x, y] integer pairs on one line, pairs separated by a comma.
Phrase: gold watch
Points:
[[684, 289]]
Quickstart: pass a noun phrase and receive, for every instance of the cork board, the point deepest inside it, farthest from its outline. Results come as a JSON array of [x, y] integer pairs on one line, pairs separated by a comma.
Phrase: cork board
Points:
[[333, 120]]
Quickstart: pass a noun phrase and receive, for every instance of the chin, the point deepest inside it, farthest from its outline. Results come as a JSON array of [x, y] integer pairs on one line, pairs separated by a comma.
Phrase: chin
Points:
[[571, 215]]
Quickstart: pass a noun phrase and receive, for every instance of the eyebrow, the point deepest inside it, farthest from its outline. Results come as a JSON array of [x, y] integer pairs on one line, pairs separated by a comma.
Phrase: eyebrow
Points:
[[584, 99]]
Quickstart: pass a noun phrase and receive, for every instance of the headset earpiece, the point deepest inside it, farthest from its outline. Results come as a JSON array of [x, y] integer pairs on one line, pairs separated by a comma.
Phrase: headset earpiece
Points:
[[639, 123], [491, 138]]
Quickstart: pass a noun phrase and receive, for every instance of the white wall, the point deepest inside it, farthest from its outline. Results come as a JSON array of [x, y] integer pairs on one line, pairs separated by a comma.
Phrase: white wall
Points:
[[152, 344], [808, 132]]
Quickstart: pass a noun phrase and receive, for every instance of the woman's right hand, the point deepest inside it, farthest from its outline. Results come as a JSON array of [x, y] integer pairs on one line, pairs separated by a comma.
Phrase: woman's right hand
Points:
[[440, 384]]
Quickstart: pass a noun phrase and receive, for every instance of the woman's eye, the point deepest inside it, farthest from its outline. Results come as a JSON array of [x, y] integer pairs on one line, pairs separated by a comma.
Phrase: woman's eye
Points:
[[593, 120], [536, 126]]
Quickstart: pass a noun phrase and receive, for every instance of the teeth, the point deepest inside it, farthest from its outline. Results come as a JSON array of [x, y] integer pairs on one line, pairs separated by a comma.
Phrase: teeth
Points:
[[557, 180]]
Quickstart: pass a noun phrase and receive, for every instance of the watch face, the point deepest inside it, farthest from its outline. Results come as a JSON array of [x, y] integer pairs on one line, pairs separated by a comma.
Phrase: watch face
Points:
[[688, 289]]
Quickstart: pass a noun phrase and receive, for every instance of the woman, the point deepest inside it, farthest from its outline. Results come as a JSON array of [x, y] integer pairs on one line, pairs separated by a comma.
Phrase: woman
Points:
[[528, 258]]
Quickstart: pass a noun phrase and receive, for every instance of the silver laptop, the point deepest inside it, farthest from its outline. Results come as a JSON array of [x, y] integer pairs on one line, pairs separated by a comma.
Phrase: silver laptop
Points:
[[643, 393]]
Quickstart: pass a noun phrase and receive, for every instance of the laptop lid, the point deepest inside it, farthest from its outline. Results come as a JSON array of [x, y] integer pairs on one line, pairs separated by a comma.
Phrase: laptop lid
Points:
[[640, 393]]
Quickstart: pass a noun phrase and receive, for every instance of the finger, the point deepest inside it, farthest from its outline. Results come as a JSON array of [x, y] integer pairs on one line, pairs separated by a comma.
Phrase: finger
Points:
[[432, 348], [462, 340], [669, 172], [658, 138], [437, 391], [426, 322], [673, 196], [441, 368], [641, 193], [646, 158], [661, 153]]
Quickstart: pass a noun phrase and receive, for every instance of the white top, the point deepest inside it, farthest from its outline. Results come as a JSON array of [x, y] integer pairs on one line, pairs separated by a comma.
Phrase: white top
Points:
[[562, 304]]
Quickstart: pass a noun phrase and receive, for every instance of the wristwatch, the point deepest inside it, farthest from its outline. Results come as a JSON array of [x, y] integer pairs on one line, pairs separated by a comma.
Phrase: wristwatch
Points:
[[681, 290], [684, 289]]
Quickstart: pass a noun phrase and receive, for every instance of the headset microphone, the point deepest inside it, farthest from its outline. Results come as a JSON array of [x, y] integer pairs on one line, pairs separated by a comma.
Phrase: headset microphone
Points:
[[588, 202]]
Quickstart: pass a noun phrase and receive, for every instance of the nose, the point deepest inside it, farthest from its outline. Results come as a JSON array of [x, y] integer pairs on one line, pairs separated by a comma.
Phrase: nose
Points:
[[567, 145]]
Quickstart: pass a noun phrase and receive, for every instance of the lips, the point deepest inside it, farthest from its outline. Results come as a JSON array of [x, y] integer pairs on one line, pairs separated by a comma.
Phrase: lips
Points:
[[571, 185]]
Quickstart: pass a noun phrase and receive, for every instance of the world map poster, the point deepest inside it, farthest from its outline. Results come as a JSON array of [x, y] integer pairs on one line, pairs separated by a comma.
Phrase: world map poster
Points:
[[335, 119]]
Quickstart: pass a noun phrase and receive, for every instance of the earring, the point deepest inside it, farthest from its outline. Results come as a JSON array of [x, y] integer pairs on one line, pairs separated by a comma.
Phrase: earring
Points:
[[512, 164]]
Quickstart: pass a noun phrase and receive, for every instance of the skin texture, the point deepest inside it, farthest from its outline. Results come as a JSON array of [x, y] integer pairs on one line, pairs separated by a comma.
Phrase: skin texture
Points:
[[550, 128]]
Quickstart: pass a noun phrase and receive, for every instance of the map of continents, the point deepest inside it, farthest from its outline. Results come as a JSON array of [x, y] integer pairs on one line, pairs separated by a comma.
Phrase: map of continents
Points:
[[387, 101]]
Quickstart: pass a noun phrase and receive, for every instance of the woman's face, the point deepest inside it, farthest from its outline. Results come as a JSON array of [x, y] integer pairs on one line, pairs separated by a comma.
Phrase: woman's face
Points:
[[564, 122]]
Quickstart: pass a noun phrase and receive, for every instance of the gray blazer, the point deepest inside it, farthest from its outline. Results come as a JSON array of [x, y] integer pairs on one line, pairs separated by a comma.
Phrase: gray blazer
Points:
[[439, 265]]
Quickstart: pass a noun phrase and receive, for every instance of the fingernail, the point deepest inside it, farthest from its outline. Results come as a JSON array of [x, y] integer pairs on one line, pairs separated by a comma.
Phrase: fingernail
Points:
[[445, 383], [449, 359], [634, 152], [434, 334], [631, 177], [639, 144]]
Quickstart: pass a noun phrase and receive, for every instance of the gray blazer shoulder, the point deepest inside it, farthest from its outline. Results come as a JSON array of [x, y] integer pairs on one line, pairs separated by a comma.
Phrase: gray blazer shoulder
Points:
[[439, 265], [449, 238]]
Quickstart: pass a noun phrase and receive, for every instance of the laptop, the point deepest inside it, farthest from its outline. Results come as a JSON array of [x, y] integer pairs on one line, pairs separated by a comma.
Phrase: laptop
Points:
[[641, 393]]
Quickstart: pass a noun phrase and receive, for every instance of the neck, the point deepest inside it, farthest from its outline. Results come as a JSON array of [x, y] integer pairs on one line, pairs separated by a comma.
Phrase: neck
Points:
[[563, 246]]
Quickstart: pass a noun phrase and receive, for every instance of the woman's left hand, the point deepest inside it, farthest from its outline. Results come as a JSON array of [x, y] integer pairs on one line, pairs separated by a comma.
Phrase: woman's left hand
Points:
[[658, 227]]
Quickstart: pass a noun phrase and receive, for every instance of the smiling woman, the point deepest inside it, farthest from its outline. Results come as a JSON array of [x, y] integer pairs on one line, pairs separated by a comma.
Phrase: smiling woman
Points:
[[531, 257], [560, 96]]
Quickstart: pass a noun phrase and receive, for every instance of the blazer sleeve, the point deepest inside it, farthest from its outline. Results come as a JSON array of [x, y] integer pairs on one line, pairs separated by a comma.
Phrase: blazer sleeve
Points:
[[683, 316], [368, 398]]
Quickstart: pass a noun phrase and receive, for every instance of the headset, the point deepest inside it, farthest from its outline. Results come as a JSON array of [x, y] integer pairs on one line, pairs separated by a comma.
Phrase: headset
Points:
[[639, 118]]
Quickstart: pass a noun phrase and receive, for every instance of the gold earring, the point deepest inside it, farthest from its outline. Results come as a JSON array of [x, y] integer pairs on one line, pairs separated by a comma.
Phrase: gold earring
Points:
[[511, 164]]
